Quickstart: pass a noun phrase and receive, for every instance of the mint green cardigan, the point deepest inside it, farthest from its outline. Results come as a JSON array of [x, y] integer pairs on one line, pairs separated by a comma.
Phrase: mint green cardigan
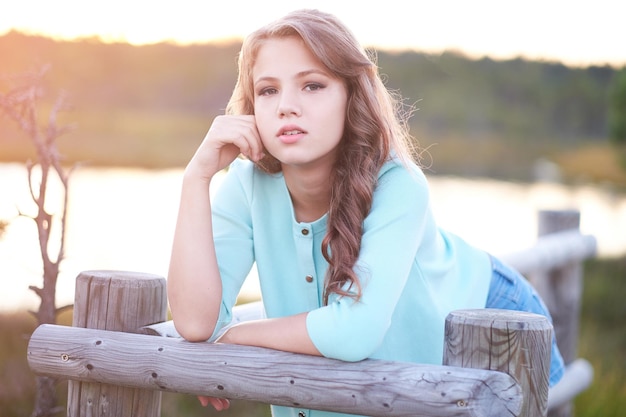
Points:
[[412, 272]]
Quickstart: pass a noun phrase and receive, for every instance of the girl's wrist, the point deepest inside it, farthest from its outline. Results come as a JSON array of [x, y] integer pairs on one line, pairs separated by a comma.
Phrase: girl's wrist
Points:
[[194, 173], [229, 336]]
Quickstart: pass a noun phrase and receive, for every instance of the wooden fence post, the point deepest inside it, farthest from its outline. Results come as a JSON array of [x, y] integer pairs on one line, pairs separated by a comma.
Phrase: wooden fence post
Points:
[[561, 289], [565, 285], [513, 342], [118, 301]]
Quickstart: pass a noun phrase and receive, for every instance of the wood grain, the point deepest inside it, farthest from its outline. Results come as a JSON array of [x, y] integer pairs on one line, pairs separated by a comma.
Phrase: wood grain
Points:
[[514, 342], [370, 387], [122, 301]]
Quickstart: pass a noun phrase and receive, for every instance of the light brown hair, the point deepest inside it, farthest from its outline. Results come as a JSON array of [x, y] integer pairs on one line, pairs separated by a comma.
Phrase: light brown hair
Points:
[[375, 129]]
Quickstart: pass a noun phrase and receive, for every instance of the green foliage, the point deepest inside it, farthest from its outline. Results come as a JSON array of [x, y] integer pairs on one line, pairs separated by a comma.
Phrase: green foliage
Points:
[[603, 338], [17, 384], [151, 105], [617, 114], [516, 99]]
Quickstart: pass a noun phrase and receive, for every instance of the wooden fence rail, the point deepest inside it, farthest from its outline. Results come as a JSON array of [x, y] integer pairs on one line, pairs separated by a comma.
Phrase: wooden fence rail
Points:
[[377, 388], [116, 368]]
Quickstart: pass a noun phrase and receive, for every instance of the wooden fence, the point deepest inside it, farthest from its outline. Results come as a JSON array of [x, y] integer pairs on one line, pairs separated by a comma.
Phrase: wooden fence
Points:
[[495, 362]]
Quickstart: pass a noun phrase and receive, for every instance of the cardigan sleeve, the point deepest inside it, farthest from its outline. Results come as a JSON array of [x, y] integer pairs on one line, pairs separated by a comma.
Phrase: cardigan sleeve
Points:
[[393, 233]]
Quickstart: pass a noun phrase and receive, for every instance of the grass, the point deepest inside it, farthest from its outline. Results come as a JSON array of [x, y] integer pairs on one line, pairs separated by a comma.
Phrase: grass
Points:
[[602, 342], [603, 338], [16, 382]]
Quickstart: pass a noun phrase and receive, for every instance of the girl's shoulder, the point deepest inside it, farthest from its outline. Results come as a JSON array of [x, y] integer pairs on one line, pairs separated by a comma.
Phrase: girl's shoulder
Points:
[[400, 182], [402, 173]]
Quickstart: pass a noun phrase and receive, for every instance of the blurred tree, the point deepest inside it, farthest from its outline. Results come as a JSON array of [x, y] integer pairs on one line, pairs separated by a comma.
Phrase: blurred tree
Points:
[[149, 105], [21, 104], [617, 115], [617, 109]]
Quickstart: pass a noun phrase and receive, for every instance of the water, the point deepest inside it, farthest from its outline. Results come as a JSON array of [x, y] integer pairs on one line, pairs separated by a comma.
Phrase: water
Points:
[[123, 219]]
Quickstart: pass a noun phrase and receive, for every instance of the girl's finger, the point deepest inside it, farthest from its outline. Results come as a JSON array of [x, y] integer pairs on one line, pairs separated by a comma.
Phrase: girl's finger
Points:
[[218, 403], [242, 132]]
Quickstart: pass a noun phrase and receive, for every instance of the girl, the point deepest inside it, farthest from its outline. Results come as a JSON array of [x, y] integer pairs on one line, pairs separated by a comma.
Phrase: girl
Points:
[[332, 209]]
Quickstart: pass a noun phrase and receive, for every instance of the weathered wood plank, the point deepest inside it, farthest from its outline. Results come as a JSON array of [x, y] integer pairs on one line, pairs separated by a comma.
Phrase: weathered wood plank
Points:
[[514, 342], [578, 375], [552, 251], [561, 288], [370, 387], [121, 301]]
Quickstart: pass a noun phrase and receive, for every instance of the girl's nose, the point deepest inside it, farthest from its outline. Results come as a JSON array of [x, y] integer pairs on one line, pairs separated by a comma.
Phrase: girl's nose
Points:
[[288, 105]]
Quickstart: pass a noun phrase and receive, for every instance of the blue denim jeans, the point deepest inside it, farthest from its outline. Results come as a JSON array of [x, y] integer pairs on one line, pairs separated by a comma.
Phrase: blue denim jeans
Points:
[[509, 290]]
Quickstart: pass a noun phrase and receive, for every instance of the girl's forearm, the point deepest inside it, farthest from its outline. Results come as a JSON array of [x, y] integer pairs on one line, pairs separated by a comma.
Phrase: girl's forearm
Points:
[[194, 285], [288, 334]]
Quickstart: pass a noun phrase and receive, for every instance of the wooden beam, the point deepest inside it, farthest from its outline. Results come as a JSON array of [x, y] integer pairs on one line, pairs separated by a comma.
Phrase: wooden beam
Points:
[[514, 342], [370, 387], [125, 302], [552, 251]]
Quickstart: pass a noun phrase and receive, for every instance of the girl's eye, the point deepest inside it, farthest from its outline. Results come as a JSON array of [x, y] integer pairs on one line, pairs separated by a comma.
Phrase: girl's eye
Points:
[[267, 91], [313, 87]]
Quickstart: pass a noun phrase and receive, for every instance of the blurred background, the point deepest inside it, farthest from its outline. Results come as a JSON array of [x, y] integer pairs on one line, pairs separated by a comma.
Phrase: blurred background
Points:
[[517, 110]]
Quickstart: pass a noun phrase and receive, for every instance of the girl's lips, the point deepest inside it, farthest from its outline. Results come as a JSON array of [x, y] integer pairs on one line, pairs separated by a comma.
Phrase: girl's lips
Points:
[[291, 138], [290, 134]]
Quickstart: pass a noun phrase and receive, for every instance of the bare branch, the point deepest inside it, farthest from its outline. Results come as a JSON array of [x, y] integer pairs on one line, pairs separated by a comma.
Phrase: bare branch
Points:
[[20, 104], [29, 169], [17, 104], [36, 290], [65, 181], [55, 131], [22, 214]]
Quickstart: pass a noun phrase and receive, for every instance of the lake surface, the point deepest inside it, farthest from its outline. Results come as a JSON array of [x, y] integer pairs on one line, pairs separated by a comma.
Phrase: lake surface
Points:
[[123, 219]]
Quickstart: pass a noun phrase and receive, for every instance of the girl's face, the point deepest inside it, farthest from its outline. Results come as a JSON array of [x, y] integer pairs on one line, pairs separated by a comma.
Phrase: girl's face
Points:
[[299, 106]]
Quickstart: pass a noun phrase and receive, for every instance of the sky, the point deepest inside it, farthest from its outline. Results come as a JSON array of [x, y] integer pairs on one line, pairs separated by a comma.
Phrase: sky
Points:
[[574, 32]]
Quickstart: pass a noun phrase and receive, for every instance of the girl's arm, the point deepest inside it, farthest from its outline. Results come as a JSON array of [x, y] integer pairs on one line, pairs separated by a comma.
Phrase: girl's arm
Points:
[[194, 283], [285, 333]]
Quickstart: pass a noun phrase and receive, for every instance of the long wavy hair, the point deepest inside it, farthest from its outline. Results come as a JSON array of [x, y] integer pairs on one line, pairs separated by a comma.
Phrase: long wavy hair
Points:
[[375, 130]]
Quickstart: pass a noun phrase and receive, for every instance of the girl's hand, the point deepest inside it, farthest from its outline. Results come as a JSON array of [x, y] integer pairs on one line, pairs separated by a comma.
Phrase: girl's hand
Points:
[[228, 137], [218, 403]]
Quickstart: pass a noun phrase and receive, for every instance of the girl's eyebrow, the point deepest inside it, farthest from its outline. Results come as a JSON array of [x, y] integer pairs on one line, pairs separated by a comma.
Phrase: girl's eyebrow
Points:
[[301, 74]]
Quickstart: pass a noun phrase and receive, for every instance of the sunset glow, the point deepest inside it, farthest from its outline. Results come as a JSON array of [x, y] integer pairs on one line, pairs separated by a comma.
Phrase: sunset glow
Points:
[[574, 32]]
